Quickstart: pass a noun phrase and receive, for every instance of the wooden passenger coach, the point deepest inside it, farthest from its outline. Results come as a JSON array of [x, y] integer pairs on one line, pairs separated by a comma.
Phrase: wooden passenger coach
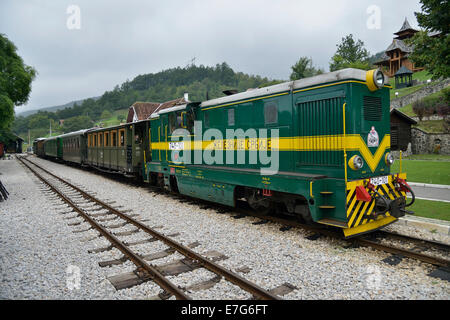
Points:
[[119, 148], [74, 146]]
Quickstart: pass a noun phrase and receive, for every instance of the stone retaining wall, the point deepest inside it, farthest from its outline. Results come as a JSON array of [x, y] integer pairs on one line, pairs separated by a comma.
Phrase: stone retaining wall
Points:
[[419, 94], [423, 142]]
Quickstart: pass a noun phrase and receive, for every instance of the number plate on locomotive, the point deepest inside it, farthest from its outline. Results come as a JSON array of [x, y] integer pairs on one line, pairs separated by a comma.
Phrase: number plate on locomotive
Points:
[[379, 180]]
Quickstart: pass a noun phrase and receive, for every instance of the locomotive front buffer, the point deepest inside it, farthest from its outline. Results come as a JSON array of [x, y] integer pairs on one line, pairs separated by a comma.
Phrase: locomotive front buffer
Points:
[[376, 202]]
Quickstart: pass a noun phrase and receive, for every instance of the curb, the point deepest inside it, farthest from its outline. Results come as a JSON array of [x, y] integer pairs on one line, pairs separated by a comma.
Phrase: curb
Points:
[[431, 225], [427, 185]]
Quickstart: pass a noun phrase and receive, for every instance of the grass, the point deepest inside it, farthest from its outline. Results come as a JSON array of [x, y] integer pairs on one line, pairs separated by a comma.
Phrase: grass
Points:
[[434, 172], [113, 121], [404, 91], [431, 126], [408, 108], [432, 157], [431, 209]]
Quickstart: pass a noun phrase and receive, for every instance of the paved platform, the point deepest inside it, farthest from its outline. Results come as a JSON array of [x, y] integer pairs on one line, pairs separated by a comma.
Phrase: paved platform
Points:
[[434, 225], [433, 192]]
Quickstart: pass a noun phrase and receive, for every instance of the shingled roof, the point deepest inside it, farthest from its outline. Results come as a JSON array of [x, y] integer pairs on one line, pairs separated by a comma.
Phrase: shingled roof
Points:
[[141, 110], [399, 44], [169, 104], [406, 26]]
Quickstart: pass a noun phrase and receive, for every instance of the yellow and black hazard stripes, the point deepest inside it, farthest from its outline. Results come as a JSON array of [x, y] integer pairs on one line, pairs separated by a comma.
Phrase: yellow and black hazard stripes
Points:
[[356, 210], [362, 212]]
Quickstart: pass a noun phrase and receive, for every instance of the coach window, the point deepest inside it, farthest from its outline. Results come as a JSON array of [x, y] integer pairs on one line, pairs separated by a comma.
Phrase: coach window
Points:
[[106, 139], [114, 139], [270, 113], [230, 117], [100, 139], [122, 137]]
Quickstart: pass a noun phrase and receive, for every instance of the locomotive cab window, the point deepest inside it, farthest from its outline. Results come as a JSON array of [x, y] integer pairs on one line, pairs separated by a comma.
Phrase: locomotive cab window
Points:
[[171, 122], [175, 121], [270, 113]]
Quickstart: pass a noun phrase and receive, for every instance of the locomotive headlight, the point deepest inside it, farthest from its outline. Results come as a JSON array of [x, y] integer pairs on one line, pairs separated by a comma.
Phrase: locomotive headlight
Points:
[[375, 79], [356, 162], [389, 159]]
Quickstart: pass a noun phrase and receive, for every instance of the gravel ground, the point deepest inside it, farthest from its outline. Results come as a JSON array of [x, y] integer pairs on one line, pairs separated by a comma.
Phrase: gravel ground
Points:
[[37, 246]]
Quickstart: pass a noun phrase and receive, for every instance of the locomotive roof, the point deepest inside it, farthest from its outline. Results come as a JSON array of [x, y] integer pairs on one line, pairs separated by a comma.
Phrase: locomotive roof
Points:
[[340, 75]]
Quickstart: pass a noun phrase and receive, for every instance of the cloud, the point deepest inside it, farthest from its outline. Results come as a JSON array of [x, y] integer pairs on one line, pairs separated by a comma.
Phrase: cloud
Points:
[[119, 40]]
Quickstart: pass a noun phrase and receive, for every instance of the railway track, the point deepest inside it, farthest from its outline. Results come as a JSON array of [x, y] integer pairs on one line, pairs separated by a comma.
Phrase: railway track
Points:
[[380, 240], [72, 195]]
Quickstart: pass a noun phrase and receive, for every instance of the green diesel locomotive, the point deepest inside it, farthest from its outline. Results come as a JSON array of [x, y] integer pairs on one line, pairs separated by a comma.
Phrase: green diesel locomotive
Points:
[[316, 147]]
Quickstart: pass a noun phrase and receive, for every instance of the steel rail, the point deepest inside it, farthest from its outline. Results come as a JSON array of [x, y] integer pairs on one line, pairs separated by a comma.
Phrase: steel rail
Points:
[[206, 263], [440, 245], [368, 243], [144, 267]]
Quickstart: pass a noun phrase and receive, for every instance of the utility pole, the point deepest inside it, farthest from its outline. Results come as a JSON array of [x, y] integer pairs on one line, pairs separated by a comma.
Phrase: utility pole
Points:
[[50, 127]]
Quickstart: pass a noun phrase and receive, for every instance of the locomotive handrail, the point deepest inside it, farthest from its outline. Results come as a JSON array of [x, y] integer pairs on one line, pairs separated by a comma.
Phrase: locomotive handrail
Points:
[[345, 151]]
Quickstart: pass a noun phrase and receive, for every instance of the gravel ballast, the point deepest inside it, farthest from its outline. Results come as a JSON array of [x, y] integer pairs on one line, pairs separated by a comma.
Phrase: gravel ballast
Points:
[[37, 247]]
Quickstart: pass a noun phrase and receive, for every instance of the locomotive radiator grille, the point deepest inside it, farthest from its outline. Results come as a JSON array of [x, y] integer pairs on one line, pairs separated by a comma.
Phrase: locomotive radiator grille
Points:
[[321, 119]]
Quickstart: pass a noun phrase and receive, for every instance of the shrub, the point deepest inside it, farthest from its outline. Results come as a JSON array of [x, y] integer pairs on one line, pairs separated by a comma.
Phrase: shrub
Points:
[[419, 108]]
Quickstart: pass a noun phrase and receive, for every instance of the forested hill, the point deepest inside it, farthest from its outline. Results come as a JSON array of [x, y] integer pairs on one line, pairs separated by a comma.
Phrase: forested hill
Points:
[[166, 85]]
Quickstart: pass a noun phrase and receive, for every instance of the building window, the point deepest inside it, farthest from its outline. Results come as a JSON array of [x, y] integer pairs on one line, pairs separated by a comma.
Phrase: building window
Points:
[[394, 138]]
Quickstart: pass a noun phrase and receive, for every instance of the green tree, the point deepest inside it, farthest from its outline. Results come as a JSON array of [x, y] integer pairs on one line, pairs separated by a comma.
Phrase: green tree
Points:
[[433, 53], [105, 115], [121, 117], [350, 54], [39, 121], [77, 123], [15, 81], [304, 68]]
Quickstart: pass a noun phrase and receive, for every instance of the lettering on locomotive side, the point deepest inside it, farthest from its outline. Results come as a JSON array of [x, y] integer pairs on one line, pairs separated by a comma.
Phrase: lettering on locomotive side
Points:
[[240, 147]]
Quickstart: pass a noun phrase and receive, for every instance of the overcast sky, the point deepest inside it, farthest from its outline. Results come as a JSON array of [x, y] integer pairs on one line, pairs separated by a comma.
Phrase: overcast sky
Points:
[[118, 40]]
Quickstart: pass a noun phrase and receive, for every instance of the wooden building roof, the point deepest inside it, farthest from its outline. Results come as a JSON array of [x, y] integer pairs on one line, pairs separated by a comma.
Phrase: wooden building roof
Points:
[[142, 110]]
